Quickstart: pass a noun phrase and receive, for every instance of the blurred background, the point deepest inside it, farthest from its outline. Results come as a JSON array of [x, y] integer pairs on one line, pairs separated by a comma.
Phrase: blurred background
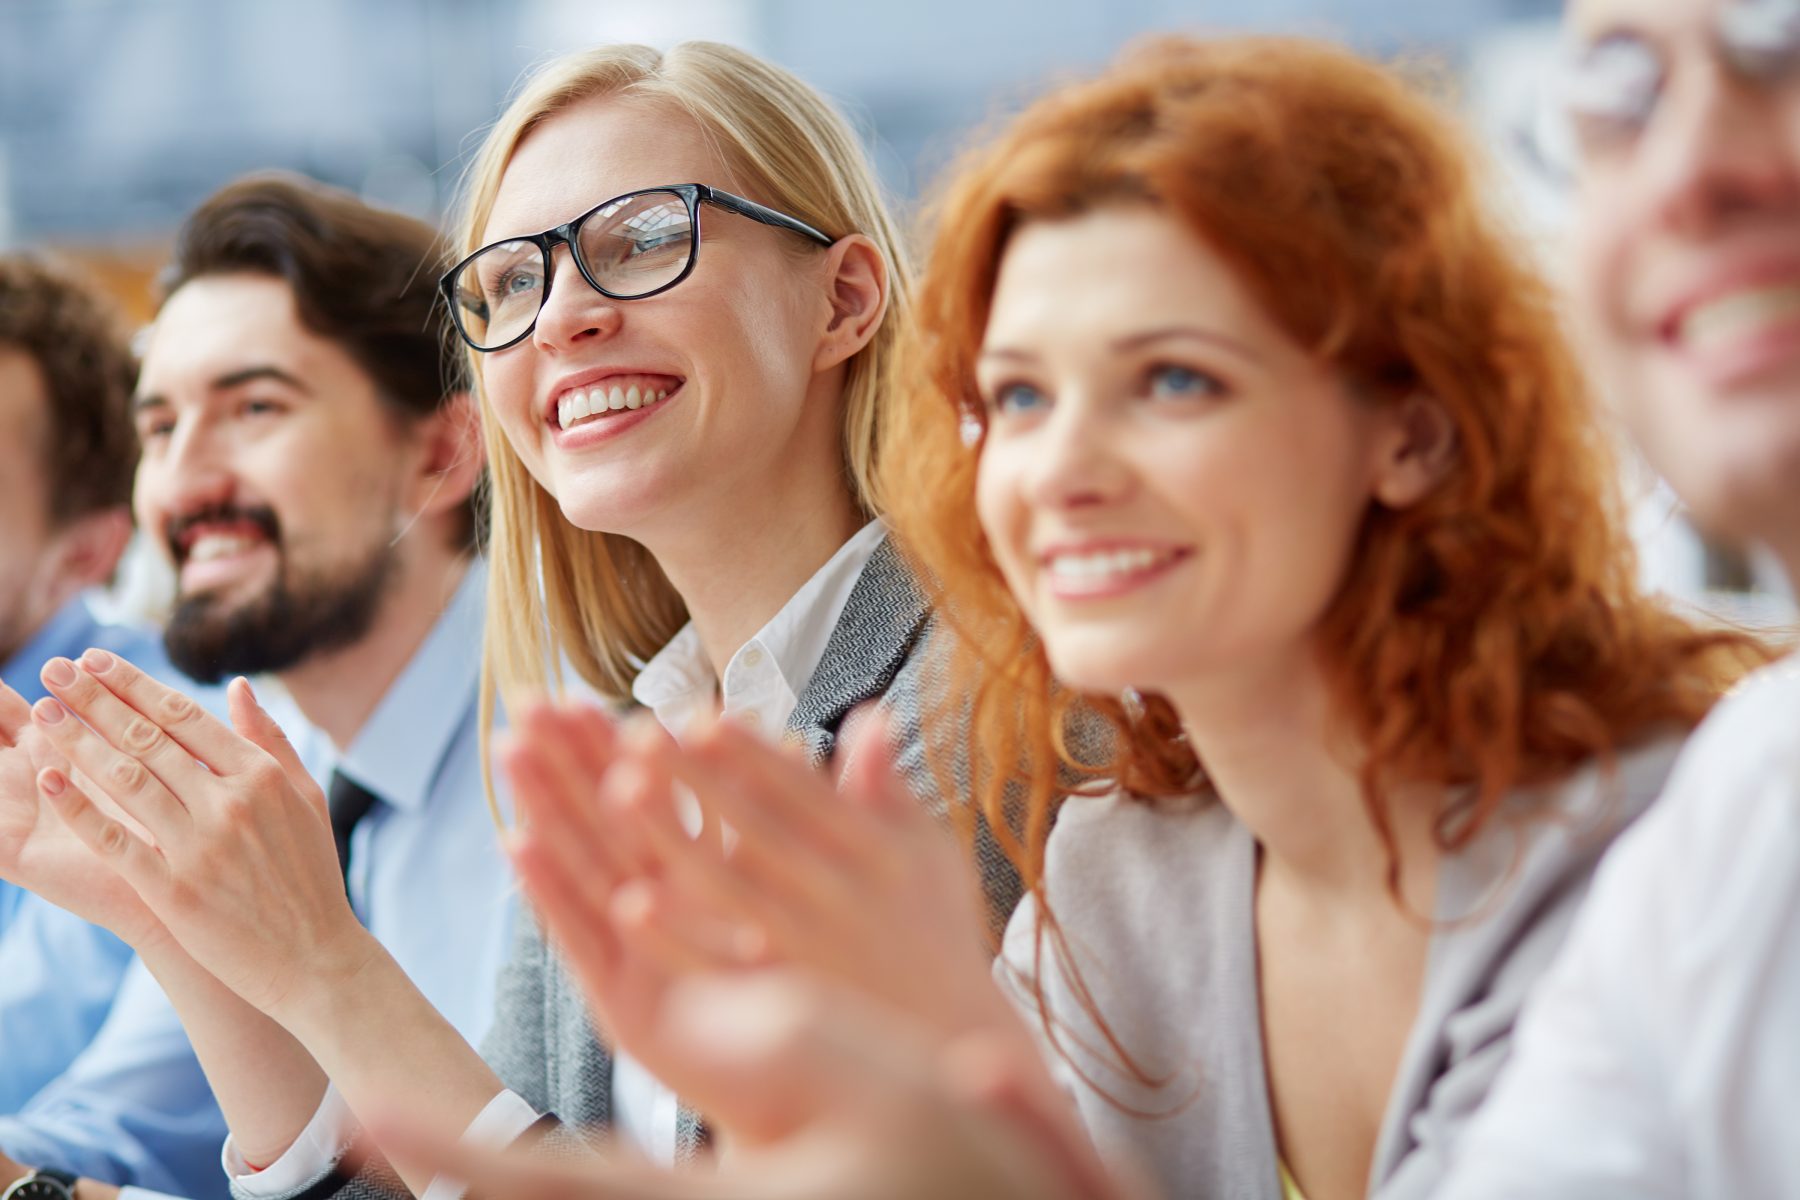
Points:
[[118, 116]]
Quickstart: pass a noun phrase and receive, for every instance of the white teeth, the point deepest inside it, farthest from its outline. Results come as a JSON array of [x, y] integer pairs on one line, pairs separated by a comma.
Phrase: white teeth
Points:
[[1103, 563], [1739, 313], [209, 546], [581, 403]]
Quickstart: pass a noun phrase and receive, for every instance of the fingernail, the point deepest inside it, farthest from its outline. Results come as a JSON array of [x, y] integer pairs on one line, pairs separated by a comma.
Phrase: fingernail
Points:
[[47, 710], [97, 661], [59, 672], [53, 783]]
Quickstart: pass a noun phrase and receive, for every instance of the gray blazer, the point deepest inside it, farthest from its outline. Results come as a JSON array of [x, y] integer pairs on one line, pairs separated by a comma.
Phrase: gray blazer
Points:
[[1156, 903], [543, 1044]]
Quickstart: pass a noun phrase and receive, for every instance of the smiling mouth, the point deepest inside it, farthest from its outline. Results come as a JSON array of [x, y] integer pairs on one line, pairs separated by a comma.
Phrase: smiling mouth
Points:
[[610, 397], [1107, 571], [1740, 314]]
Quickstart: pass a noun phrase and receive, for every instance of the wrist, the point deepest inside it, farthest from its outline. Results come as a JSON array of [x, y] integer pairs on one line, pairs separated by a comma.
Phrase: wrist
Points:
[[343, 972], [11, 1172]]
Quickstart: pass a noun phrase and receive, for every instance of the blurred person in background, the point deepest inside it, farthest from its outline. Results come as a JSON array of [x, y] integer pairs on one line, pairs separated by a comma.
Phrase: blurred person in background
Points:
[[1661, 1056], [1344, 566], [309, 474], [67, 451]]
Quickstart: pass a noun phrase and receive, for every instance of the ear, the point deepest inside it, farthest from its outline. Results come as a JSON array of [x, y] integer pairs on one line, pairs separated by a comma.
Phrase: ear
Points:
[[451, 456], [86, 553], [1415, 452], [857, 280]]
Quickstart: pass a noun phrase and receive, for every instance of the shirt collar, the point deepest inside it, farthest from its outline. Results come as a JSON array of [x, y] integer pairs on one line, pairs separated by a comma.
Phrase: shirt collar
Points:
[[398, 751], [768, 673], [66, 634]]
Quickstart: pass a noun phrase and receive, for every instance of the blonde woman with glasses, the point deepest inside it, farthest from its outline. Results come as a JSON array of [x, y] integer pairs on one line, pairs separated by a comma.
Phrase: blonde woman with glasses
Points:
[[679, 294]]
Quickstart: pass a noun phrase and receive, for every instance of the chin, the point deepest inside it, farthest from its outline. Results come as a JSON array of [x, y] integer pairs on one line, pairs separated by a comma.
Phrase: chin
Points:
[[1104, 664]]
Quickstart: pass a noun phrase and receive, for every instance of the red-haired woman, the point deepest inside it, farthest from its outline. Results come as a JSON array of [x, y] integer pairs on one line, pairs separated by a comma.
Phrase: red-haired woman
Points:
[[1247, 431]]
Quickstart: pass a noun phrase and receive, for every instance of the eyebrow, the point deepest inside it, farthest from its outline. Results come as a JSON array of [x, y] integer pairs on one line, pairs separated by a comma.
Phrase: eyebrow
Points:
[[1138, 341], [227, 381]]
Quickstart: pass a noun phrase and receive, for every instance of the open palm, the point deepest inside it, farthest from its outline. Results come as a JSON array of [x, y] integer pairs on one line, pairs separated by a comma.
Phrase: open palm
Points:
[[41, 854]]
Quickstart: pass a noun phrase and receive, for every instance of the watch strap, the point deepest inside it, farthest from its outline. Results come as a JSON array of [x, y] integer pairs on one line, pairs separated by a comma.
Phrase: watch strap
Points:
[[64, 1180]]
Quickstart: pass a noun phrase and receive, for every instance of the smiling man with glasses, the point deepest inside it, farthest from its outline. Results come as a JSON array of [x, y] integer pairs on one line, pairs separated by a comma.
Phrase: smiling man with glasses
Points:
[[1661, 1056]]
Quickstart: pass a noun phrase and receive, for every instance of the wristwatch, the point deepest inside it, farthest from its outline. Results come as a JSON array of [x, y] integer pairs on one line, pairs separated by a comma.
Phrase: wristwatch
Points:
[[42, 1184]]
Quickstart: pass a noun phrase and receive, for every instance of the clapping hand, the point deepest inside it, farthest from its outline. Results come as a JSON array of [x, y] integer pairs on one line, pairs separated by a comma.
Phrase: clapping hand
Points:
[[883, 1111], [231, 850]]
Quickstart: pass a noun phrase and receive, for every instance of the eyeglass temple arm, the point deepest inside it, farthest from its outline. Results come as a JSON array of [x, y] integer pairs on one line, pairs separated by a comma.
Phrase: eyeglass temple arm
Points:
[[768, 216]]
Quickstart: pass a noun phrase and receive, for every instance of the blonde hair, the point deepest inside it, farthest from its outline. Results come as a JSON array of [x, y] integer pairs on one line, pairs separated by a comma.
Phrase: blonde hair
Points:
[[599, 600]]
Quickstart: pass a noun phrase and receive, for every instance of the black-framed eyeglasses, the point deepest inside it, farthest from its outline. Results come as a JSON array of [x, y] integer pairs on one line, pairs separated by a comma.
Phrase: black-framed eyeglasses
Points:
[[629, 247]]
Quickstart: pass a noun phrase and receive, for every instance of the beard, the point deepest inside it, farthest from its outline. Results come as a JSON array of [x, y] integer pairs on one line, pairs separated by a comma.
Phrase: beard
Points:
[[301, 615]]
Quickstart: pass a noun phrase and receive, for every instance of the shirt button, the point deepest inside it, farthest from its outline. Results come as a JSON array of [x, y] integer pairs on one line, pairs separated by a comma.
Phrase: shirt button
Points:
[[753, 657]]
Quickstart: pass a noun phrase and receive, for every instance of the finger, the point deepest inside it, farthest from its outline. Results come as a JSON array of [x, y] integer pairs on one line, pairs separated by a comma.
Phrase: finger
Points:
[[566, 776], [197, 731], [702, 884], [582, 935], [15, 715], [122, 779], [124, 728], [254, 723], [870, 777], [133, 859], [558, 810], [793, 802], [590, 734], [804, 858]]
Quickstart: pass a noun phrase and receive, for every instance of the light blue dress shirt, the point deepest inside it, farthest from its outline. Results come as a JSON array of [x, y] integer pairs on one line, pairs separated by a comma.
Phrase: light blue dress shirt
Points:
[[428, 877], [58, 974]]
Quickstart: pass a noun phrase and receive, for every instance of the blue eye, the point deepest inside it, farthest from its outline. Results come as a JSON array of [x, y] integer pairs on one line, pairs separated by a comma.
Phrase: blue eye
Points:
[[520, 281], [1180, 383], [1017, 398]]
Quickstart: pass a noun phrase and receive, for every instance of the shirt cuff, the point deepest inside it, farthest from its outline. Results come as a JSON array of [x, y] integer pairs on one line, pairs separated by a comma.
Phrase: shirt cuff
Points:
[[314, 1153], [501, 1123]]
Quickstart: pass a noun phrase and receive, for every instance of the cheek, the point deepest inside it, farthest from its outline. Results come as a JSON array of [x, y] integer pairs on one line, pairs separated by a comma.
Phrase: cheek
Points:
[[1001, 508], [1600, 253], [1277, 512]]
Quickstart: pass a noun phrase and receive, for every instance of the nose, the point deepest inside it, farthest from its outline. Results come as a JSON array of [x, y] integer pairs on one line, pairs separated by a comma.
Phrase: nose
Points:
[[574, 311], [192, 475], [1076, 463], [1728, 150]]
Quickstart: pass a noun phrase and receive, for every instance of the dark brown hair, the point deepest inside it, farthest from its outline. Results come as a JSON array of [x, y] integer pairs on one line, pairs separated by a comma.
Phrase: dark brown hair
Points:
[[78, 343], [364, 278]]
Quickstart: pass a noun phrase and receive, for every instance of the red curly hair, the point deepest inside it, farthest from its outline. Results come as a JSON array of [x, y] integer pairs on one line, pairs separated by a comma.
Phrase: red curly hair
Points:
[[1489, 637]]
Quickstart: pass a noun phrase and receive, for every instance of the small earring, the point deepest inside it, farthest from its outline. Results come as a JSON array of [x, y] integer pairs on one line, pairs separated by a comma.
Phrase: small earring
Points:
[[1133, 700]]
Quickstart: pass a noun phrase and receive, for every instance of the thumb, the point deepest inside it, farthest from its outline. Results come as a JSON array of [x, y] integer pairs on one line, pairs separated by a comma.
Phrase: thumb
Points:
[[870, 778]]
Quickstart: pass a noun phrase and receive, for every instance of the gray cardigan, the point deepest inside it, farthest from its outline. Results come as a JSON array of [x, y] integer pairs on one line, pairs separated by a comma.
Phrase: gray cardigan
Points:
[[543, 1044], [1156, 902]]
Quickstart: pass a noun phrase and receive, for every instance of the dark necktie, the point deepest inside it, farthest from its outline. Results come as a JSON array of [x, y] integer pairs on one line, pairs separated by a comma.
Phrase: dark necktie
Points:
[[349, 802]]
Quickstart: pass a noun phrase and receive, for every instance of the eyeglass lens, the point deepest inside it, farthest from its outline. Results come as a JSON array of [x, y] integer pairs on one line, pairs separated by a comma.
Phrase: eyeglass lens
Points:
[[631, 247]]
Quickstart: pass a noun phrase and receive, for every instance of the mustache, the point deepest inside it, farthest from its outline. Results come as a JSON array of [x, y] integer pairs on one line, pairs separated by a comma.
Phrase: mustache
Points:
[[262, 517]]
